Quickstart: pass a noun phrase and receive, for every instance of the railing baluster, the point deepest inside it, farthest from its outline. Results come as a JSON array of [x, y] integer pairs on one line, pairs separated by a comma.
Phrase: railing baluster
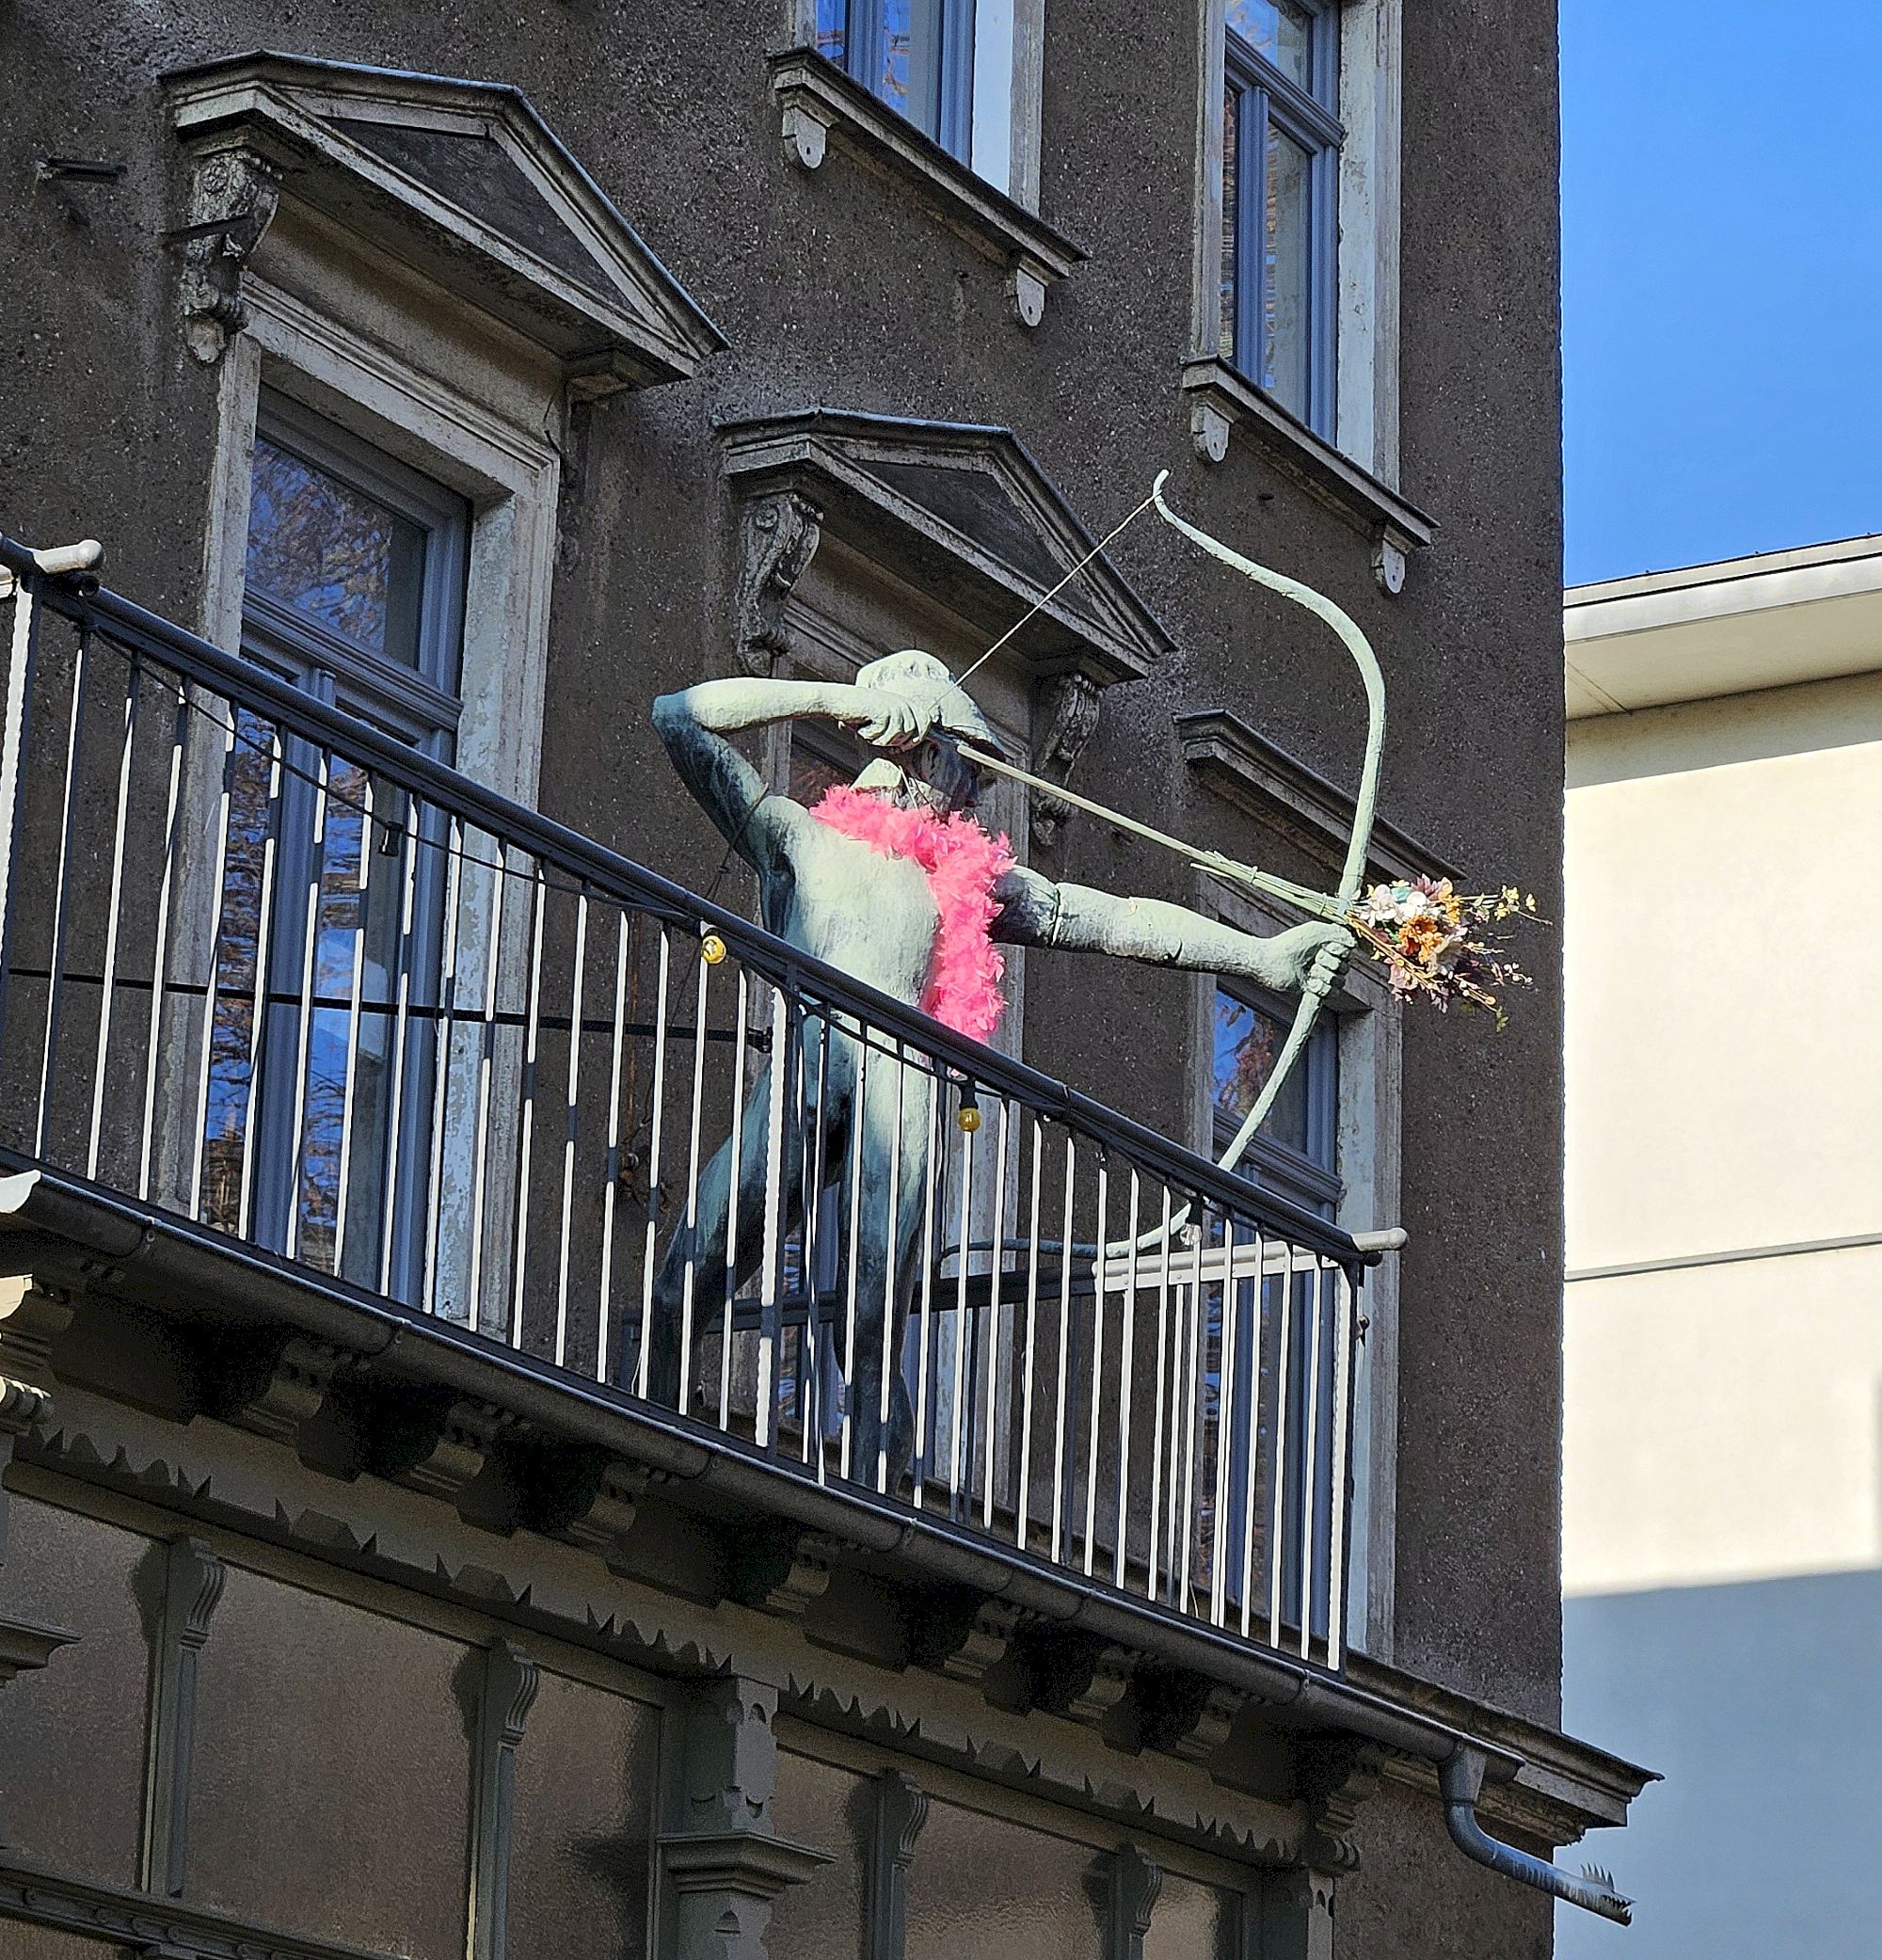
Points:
[[159, 964], [395, 1098], [1251, 1423], [22, 668], [890, 1362], [1310, 1459], [933, 1160], [1097, 1367], [81, 694], [860, 1049], [229, 718], [316, 885], [526, 1113], [1061, 1378], [813, 1370], [735, 1152], [611, 1164], [1126, 1380], [1336, 1483], [1283, 1368], [989, 1410], [572, 1098], [690, 1279], [443, 1047], [1027, 1385], [782, 1079], [485, 1068], [645, 1358], [259, 1016], [113, 920], [349, 1074]]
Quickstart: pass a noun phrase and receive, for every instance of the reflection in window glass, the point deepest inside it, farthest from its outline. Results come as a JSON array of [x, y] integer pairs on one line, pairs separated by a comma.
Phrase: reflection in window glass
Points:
[[1287, 273], [1247, 1042], [332, 553], [1278, 31]]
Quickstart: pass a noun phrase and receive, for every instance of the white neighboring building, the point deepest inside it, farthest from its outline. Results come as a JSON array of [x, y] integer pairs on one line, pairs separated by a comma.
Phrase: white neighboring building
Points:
[[1722, 1528]]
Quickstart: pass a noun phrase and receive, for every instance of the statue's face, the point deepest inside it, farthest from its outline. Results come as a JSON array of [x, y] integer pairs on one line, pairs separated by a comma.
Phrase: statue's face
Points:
[[938, 776]]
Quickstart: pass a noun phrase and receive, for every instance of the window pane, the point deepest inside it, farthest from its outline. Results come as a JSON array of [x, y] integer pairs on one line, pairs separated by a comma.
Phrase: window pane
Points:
[[1231, 215], [909, 77], [833, 26], [1280, 31], [1286, 262], [328, 550], [1247, 1043]]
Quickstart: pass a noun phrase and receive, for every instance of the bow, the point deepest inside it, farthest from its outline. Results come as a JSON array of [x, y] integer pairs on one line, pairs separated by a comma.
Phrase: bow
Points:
[[1334, 907], [1366, 803]]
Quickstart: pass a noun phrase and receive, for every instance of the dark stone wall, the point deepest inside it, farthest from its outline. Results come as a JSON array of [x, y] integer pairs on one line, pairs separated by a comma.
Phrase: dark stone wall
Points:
[[835, 287]]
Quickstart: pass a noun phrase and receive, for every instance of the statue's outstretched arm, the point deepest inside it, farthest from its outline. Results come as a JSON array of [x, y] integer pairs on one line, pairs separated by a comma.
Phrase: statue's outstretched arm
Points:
[[694, 725], [1074, 918]]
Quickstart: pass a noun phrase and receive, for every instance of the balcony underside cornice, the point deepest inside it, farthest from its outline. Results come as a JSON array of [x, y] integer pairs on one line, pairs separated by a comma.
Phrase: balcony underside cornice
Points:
[[698, 1531]]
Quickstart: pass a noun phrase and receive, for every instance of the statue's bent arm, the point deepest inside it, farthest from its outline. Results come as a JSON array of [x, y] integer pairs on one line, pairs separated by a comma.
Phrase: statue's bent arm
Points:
[[1074, 917], [694, 723]]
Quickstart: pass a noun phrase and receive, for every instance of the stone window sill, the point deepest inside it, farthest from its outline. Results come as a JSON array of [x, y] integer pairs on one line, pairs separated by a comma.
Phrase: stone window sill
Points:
[[819, 102], [1222, 402]]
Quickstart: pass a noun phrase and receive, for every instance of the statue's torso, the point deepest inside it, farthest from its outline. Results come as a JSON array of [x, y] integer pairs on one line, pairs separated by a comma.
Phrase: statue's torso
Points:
[[867, 913]]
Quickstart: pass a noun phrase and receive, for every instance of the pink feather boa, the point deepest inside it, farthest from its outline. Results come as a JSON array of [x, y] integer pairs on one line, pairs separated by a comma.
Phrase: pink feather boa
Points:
[[962, 864]]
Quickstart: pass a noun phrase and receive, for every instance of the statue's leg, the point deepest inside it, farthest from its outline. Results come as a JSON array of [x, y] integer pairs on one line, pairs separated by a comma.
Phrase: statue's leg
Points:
[[699, 1251], [888, 1148]]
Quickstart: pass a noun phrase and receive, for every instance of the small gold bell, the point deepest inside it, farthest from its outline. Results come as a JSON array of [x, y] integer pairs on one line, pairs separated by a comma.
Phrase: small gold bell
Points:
[[969, 1118], [712, 948]]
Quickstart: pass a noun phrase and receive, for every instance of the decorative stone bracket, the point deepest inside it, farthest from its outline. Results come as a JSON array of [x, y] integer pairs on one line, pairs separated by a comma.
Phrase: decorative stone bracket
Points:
[[1066, 716], [193, 1582], [778, 536], [232, 198]]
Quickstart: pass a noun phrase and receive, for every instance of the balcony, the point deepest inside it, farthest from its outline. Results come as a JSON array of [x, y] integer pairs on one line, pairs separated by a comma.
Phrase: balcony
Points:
[[312, 1010]]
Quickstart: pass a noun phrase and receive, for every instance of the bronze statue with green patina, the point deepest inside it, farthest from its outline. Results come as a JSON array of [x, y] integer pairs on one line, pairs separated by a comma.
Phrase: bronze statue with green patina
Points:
[[874, 915]]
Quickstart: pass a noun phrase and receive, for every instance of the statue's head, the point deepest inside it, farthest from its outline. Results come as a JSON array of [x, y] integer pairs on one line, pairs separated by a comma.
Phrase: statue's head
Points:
[[934, 774]]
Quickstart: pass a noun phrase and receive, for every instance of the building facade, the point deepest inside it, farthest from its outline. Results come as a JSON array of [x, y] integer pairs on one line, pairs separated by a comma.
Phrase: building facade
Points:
[[1723, 1244], [445, 390]]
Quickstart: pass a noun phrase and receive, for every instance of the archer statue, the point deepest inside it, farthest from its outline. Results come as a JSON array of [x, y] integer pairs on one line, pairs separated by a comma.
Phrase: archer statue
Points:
[[892, 880]]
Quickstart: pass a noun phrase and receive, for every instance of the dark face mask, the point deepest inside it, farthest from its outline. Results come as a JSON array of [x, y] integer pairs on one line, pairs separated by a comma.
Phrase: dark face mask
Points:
[[953, 782]]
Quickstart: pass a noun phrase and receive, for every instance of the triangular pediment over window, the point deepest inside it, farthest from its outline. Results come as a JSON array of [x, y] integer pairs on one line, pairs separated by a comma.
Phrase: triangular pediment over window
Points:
[[965, 514], [464, 181]]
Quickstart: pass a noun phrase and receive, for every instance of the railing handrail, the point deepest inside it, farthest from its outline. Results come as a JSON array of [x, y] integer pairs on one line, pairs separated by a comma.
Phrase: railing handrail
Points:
[[621, 878]]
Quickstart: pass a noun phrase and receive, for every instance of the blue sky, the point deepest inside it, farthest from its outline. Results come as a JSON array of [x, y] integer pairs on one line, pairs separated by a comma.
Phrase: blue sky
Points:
[[1722, 277]]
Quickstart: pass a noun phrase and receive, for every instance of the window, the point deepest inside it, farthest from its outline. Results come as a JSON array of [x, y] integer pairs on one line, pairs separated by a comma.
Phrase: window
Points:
[[916, 55], [1280, 150], [1295, 1152], [354, 590]]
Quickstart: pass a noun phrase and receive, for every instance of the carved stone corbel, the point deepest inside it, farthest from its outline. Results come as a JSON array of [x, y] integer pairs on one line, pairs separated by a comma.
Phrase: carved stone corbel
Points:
[[1076, 1675], [778, 534], [965, 1638], [901, 1809], [781, 1572], [1066, 712], [193, 1582], [1336, 1775], [507, 1693], [592, 1504], [1133, 1883], [1186, 1716], [232, 196]]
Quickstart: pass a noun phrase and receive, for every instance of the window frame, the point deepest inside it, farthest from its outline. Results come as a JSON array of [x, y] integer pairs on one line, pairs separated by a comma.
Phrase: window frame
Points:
[[419, 704], [1264, 97]]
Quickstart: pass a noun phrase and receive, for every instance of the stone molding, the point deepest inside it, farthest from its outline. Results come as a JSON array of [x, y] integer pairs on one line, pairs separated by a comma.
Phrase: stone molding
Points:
[[193, 1582], [818, 104]]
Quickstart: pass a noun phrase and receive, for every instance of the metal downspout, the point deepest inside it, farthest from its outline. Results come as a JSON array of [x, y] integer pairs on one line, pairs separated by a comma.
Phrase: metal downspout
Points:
[[1460, 1783]]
